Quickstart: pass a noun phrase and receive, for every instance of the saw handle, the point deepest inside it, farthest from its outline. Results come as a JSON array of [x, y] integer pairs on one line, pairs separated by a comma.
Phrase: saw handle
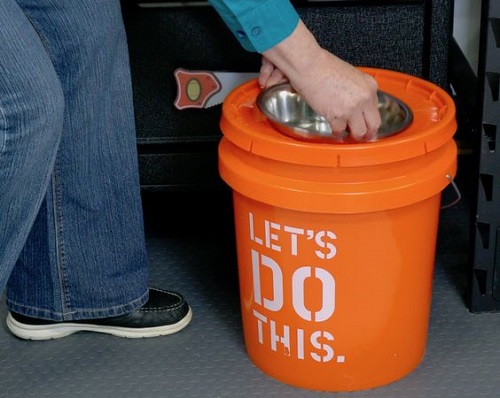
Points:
[[195, 88]]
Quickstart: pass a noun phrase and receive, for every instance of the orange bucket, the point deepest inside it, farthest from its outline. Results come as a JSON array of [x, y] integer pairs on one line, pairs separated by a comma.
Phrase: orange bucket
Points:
[[336, 242]]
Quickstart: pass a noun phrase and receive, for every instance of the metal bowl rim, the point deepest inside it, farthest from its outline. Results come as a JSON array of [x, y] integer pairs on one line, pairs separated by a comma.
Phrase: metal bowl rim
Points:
[[287, 88]]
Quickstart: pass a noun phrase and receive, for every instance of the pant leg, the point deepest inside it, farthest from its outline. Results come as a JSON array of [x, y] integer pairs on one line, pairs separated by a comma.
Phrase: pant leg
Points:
[[31, 120], [85, 256]]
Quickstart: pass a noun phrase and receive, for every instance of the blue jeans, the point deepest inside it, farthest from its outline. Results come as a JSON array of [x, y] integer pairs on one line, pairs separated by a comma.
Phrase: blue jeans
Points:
[[72, 242]]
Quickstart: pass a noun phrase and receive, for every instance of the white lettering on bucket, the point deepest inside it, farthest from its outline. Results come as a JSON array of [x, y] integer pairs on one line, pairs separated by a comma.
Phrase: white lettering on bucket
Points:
[[319, 339], [298, 296], [294, 232], [321, 346], [277, 302], [332, 250], [297, 287], [270, 288], [275, 338], [271, 238]]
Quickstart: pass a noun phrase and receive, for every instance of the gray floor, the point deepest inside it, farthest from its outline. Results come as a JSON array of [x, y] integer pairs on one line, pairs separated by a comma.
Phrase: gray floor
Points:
[[192, 250]]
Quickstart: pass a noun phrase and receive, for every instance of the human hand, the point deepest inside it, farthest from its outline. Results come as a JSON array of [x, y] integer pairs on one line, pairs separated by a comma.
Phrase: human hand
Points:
[[269, 74], [342, 94], [335, 89]]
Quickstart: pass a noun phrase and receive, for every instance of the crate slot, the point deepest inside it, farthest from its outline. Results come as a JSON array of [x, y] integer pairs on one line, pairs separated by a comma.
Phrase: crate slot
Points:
[[496, 268], [487, 184], [493, 81], [495, 28], [481, 277], [490, 135], [484, 233]]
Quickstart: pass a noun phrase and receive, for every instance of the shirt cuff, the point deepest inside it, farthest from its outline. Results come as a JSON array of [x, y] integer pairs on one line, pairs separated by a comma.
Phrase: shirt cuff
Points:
[[259, 28]]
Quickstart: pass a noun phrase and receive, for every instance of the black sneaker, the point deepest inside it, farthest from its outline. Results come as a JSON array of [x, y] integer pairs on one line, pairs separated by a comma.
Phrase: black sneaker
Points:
[[164, 313]]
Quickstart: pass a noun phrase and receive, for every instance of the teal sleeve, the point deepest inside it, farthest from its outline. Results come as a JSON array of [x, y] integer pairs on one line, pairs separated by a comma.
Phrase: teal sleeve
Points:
[[258, 24]]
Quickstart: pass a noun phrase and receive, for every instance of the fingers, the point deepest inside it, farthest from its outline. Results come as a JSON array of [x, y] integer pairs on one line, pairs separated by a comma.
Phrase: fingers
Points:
[[361, 127], [276, 77], [354, 126], [266, 70], [357, 128], [373, 121], [364, 126], [372, 117], [364, 123], [269, 75], [338, 126]]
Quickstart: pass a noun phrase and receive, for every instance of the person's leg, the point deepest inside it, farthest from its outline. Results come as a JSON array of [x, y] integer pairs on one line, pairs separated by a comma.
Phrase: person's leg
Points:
[[31, 120], [86, 250], [85, 257]]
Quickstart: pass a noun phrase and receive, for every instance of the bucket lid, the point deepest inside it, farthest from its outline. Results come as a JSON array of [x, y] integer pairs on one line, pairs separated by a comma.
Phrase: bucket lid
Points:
[[433, 125]]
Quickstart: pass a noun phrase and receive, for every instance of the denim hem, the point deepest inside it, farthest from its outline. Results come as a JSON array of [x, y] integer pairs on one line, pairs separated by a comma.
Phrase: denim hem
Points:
[[80, 313]]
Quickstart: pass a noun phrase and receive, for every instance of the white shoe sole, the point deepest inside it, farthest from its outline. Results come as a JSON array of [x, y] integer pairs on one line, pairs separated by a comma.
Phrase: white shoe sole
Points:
[[58, 330]]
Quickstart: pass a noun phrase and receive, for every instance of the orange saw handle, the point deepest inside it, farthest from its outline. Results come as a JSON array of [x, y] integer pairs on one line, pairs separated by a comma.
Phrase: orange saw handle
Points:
[[195, 88]]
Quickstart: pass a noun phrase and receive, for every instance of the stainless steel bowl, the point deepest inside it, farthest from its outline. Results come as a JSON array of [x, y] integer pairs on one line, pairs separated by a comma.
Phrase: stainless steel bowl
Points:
[[288, 113]]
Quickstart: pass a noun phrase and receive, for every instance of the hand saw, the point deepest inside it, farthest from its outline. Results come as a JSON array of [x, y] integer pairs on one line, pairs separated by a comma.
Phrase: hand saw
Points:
[[203, 88]]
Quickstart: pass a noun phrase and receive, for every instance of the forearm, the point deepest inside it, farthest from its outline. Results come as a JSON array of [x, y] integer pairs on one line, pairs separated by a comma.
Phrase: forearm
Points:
[[296, 55]]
